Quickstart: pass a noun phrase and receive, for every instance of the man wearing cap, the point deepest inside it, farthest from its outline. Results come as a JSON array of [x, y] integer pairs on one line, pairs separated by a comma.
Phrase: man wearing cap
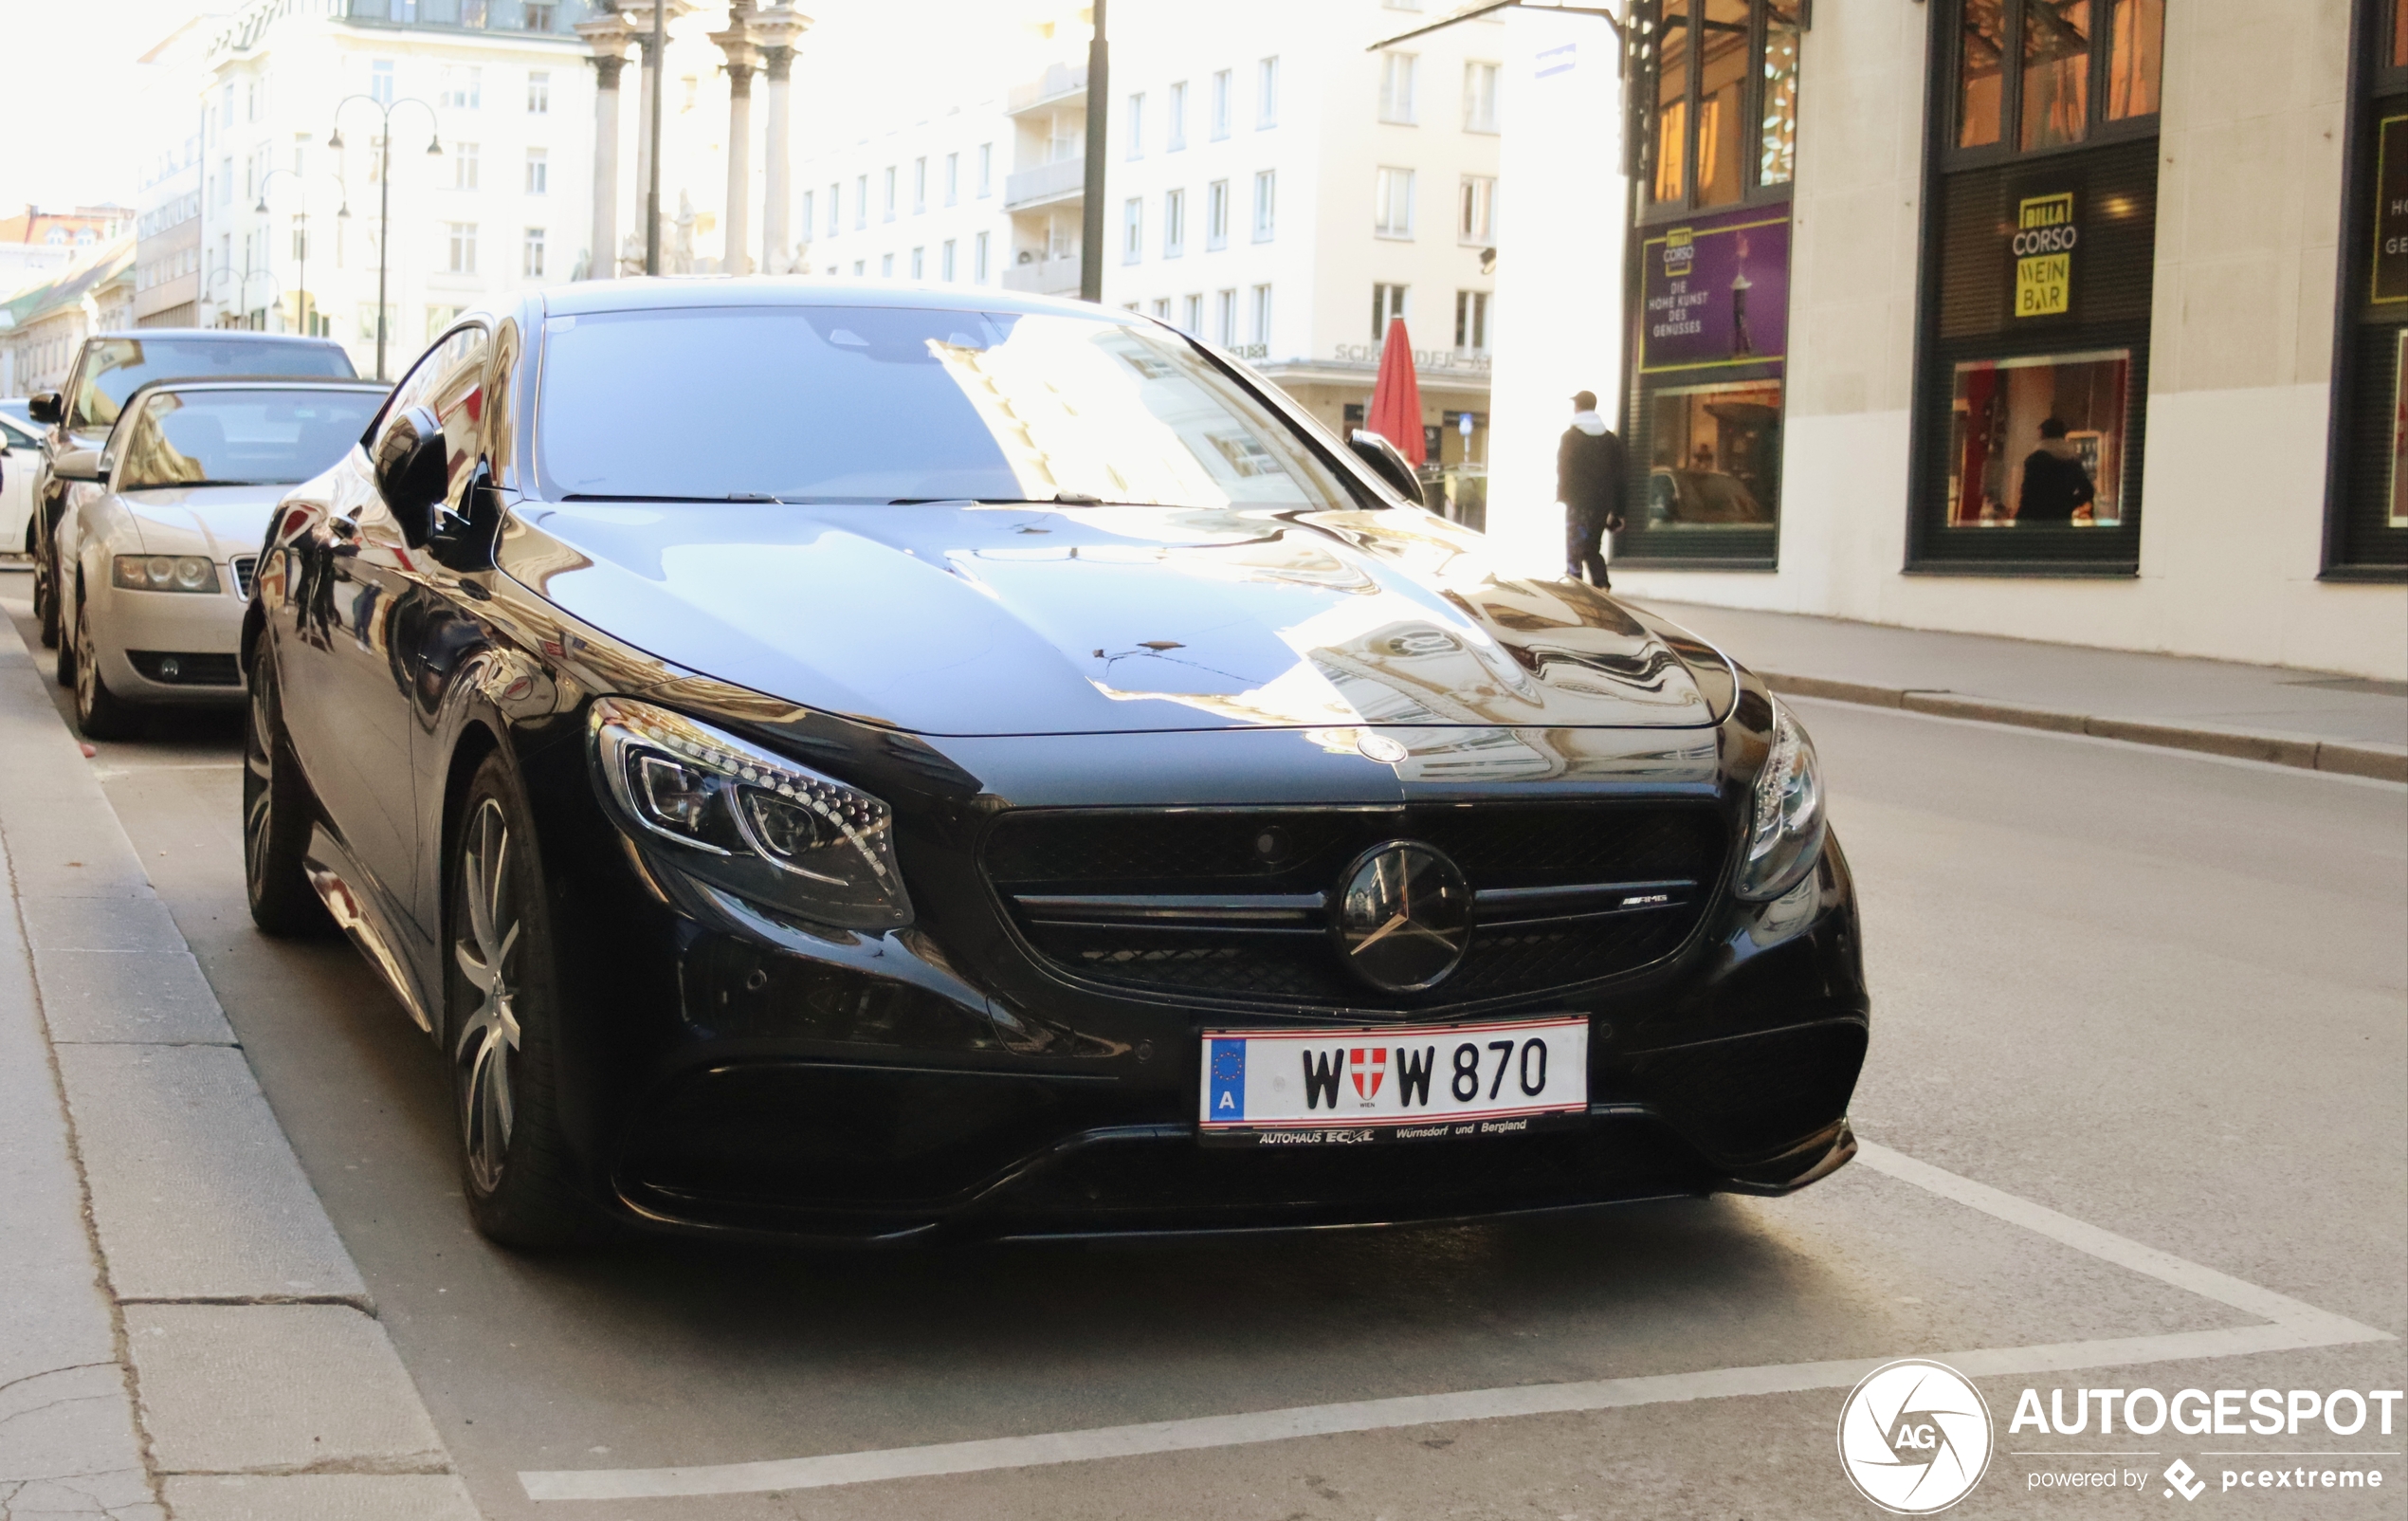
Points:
[[1589, 469]]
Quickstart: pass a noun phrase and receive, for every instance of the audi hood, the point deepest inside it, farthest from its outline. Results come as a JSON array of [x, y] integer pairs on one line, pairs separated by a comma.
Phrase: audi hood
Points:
[[969, 618], [221, 522]]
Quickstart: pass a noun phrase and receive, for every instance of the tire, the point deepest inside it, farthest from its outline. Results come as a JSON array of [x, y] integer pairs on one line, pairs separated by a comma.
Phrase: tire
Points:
[[278, 811], [100, 713], [45, 589], [502, 1025], [63, 664]]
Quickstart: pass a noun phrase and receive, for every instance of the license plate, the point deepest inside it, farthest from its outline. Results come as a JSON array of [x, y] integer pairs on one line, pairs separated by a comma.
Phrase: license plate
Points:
[[1392, 1083]]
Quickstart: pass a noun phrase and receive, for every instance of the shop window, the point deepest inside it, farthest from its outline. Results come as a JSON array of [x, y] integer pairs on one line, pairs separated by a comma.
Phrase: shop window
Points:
[[2038, 442], [1715, 456], [2366, 500]]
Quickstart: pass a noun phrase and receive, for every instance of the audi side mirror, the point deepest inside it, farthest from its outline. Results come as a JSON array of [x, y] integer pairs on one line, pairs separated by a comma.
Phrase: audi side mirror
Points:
[[412, 474], [1387, 462], [78, 464], [42, 406]]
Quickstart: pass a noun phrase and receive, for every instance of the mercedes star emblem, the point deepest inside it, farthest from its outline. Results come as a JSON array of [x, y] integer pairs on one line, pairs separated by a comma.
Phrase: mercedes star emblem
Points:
[[1404, 915]]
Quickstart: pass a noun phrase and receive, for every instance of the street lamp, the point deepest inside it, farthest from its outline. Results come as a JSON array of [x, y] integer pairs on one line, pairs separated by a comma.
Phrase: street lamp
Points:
[[341, 213], [385, 187]]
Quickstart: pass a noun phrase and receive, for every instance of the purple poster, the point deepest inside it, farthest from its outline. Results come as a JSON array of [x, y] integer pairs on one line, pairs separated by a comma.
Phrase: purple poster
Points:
[[1716, 293]]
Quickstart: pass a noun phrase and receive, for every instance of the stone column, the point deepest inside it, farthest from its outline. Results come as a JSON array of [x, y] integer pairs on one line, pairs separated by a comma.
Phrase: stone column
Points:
[[639, 19], [742, 59], [608, 38], [775, 30]]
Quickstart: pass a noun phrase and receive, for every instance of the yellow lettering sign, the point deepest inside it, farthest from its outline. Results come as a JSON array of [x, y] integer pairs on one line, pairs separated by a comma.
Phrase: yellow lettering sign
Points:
[[2045, 210], [2044, 285]]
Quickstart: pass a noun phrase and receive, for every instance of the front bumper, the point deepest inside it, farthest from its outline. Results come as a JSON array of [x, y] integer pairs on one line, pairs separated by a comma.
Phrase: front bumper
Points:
[[181, 624]]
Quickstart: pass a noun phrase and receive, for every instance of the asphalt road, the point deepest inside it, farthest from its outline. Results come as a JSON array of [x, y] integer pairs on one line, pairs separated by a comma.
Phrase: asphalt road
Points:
[[2159, 994]]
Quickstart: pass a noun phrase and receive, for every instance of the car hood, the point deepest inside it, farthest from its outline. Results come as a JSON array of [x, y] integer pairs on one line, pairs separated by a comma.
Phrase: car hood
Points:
[[218, 520], [988, 620]]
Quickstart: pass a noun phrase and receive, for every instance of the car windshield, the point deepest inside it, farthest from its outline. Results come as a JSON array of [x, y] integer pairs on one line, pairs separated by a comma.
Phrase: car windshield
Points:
[[114, 367], [237, 437], [902, 404]]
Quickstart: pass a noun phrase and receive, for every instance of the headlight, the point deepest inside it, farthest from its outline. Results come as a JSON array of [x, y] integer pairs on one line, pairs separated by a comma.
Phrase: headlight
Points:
[[164, 573], [1785, 832], [749, 821]]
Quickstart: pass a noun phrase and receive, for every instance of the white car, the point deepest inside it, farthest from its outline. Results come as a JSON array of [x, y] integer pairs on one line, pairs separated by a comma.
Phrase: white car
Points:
[[152, 606], [20, 457]]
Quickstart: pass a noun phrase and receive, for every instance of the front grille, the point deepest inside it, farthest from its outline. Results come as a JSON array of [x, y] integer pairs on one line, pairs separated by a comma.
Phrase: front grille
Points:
[[244, 567], [180, 668], [1233, 906]]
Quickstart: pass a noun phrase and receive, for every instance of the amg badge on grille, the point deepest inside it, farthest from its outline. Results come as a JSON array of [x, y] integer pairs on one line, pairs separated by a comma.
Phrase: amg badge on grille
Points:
[[1404, 915]]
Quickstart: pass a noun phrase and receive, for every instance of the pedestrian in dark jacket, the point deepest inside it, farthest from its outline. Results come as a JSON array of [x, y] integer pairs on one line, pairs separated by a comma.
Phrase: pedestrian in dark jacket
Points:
[[2054, 484], [1589, 468]]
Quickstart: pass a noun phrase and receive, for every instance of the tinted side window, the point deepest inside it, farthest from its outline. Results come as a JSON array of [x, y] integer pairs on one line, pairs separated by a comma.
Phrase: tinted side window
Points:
[[451, 381]]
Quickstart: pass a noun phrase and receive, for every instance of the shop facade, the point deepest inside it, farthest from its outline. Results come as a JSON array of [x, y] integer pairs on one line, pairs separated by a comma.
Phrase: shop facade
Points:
[[2073, 320]]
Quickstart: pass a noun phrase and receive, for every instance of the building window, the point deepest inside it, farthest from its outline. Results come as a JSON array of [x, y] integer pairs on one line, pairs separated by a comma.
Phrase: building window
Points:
[[1267, 93], [1174, 222], [811, 208], [538, 87], [1262, 316], [540, 14], [1397, 87], [464, 87], [885, 266], [1174, 117], [1225, 318], [953, 178], [978, 258], [476, 14], [918, 186], [944, 260], [2055, 84], [1387, 305], [1476, 218], [1724, 126], [462, 247], [1221, 90], [859, 268], [1133, 230], [1392, 208], [986, 169], [1136, 125], [835, 206], [539, 170], [1161, 308], [1480, 96], [464, 166], [1471, 322], [1192, 318], [1217, 215], [531, 254], [1266, 204], [920, 264], [888, 206]]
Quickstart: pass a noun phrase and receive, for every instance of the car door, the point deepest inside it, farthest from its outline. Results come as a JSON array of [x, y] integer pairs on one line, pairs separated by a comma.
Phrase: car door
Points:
[[20, 459], [353, 670]]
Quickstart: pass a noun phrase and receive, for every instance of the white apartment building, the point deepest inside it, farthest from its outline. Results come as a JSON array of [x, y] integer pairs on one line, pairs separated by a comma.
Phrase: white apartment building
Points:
[[1281, 199], [490, 109]]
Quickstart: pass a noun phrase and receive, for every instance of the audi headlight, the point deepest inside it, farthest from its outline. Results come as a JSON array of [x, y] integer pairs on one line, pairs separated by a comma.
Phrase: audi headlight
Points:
[[752, 823], [164, 573], [1785, 828]]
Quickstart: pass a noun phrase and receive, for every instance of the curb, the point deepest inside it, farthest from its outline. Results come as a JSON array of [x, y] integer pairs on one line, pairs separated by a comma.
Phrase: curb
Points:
[[231, 1364], [2381, 763]]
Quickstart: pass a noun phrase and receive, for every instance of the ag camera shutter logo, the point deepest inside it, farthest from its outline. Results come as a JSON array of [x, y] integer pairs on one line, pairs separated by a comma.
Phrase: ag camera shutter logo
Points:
[[1914, 1437]]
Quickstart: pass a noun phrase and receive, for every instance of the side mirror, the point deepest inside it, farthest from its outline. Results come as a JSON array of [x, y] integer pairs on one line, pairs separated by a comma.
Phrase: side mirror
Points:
[[42, 406], [1387, 463], [412, 474], [78, 464]]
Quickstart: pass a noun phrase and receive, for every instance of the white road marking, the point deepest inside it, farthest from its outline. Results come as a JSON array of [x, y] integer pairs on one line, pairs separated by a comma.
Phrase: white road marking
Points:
[[2292, 1325]]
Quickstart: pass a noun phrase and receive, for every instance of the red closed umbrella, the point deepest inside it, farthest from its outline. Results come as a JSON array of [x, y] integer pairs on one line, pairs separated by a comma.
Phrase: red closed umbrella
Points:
[[1395, 397]]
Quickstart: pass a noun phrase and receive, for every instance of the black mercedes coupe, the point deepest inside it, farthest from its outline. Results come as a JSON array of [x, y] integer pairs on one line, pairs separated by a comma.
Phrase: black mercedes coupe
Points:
[[857, 764]]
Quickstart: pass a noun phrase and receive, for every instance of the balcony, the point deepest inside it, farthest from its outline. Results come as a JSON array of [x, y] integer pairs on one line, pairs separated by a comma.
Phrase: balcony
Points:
[[1064, 179], [1043, 277], [1061, 85]]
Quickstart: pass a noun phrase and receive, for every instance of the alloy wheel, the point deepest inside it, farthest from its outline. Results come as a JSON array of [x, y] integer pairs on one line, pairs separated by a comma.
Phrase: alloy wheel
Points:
[[488, 1040], [87, 669], [259, 779]]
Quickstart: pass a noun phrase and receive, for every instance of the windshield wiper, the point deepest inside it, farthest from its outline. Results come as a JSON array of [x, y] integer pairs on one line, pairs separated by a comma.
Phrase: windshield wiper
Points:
[[186, 486]]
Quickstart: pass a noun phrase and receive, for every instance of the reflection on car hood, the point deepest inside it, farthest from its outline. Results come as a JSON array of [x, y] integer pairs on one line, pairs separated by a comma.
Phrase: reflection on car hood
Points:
[[956, 620], [218, 520]]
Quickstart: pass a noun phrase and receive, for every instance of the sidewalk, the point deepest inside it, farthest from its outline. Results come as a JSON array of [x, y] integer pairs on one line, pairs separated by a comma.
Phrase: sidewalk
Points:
[[2301, 718], [181, 1331]]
